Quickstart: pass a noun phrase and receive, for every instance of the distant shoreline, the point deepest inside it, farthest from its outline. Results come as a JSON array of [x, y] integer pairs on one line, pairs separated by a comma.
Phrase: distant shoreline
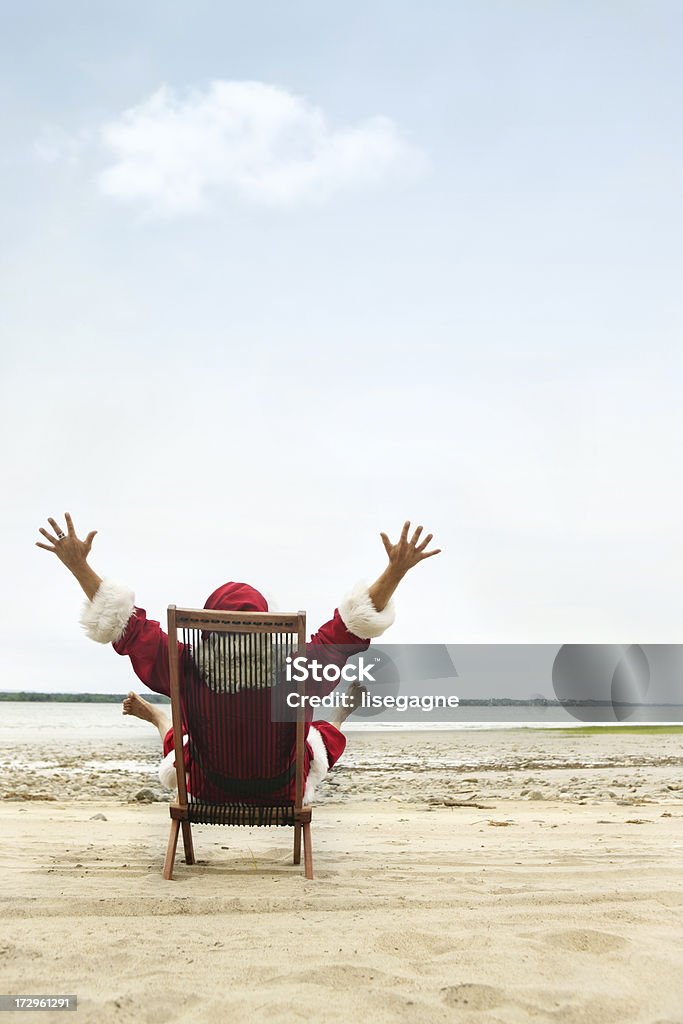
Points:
[[76, 698]]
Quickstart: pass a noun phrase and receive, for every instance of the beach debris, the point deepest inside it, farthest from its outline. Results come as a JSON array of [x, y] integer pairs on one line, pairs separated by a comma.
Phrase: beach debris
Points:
[[145, 796], [15, 795], [448, 801], [500, 824], [98, 817]]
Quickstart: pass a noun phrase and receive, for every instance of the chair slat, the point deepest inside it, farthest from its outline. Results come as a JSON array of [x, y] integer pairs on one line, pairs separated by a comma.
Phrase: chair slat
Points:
[[257, 622]]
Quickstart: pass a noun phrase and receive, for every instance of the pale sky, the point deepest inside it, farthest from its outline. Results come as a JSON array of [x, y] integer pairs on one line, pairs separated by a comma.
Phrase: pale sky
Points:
[[278, 276]]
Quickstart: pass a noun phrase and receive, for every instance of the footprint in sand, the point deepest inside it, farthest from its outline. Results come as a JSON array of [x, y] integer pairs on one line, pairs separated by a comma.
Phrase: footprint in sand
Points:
[[586, 941], [473, 997], [416, 945], [340, 976], [606, 1010]]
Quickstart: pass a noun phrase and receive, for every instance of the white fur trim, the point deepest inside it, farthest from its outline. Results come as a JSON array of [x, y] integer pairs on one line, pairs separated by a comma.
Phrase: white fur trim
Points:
[[319, 766], [105, 618], [360, 615], [167, 772]]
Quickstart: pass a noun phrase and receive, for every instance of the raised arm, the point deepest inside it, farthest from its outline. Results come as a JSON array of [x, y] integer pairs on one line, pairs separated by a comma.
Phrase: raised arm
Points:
[[73, 553], [109, 615], [404, 555], [367, 611]]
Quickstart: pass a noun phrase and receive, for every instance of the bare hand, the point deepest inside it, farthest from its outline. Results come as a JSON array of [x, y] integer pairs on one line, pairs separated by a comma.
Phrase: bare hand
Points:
[[67, 546], [407, 553]]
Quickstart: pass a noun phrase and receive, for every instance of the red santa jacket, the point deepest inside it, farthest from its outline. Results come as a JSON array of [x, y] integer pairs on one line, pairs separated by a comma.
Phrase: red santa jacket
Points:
[[113, 617]]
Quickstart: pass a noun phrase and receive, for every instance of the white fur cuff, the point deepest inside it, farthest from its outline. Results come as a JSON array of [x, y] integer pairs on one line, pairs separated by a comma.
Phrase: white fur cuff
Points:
[[360, 615], [104, 619], [168, 776], [318, 767]]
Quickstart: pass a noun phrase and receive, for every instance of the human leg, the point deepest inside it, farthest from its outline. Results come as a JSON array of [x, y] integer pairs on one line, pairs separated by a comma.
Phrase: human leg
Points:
[[135, 705], [327, 742], [354, 696]]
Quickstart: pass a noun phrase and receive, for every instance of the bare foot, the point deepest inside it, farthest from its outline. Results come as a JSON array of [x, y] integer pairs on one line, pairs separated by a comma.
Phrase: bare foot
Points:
[[135, 705], [354, 697]]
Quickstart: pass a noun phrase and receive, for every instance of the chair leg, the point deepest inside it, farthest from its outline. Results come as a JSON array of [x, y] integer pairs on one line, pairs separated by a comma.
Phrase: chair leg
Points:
[[187, 843], [308, 851], [171, 848], [297, 844]]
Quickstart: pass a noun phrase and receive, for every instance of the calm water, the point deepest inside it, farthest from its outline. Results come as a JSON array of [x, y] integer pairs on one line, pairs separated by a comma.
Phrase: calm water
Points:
[[23, 722]]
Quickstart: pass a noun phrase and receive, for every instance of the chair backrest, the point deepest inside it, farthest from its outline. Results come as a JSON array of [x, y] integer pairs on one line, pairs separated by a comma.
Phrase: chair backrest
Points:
[[226, 671]]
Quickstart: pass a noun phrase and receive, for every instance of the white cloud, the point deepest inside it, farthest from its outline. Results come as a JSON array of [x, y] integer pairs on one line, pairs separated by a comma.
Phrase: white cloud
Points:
[[173, 154]]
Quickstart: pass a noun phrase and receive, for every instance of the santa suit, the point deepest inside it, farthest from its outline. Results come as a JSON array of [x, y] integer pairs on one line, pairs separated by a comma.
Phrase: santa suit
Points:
[[112, 617]]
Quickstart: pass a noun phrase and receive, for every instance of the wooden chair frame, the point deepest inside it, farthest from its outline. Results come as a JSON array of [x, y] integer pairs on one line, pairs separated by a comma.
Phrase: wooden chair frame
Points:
[[229, 622]]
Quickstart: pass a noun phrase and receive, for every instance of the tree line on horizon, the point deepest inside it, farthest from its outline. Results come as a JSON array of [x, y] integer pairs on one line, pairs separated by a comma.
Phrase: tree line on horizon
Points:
[[77, 698]]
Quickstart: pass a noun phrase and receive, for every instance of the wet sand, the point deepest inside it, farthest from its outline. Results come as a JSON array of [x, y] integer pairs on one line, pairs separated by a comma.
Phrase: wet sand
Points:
[[431, 767]]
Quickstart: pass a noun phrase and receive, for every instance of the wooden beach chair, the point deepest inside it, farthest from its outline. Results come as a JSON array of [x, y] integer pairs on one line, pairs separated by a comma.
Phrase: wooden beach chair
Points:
[[223, 670]]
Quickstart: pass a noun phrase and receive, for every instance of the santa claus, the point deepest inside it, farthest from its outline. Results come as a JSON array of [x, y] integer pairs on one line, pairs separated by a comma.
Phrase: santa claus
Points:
[[110, 616]]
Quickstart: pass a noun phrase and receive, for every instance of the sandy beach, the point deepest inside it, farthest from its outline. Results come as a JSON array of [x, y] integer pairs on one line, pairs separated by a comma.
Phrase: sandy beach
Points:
[[474, 876]]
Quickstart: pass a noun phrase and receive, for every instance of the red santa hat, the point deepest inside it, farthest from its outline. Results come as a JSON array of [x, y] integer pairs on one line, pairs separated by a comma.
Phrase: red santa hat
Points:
[[236, 597]]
